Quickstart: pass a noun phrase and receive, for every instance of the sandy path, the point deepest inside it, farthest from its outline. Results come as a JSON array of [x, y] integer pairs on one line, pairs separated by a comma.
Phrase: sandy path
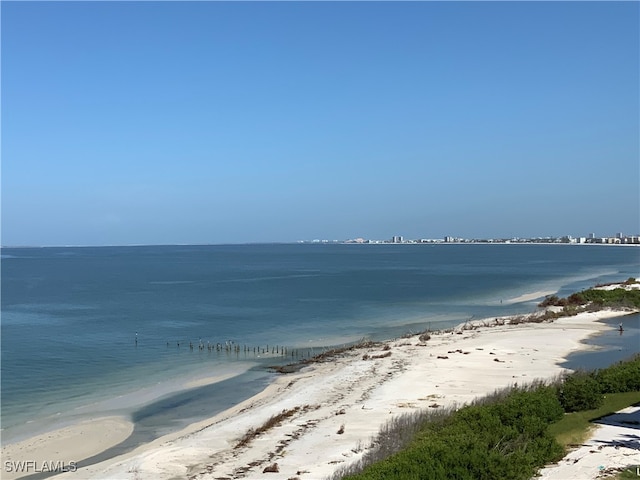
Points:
[[613, 445]]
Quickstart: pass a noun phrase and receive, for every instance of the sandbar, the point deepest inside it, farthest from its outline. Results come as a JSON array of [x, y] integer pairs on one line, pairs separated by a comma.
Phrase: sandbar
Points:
[[64, 446], [530, 296]]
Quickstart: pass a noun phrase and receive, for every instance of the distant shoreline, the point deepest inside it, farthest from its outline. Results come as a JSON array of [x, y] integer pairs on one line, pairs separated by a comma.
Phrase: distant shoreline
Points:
[[25, 247]]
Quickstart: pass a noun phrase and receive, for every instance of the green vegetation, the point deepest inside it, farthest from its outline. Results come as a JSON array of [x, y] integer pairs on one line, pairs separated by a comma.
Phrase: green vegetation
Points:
[[500, 439], [580, 392], [510, 434], [585, 391], [621, 377], [595, 298], [618, 297], [629, 473], [574, 427]]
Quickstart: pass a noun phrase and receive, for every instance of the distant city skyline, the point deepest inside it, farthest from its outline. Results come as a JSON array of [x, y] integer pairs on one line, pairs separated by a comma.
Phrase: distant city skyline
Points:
[[258, 122], [591, 238], [618, 238]]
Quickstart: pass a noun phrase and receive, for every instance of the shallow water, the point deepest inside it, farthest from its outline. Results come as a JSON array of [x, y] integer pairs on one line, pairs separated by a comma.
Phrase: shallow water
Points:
[[610, 346], [70, 316]]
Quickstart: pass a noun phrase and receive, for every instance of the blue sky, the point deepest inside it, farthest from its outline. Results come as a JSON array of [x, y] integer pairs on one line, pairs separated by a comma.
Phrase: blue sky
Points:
[[220, 122]]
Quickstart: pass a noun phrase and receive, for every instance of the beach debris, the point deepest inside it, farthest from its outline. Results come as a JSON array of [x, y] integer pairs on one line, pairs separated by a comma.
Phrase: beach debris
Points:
[[382, 355], [342, 411], [274, 421], [373, 357], [273, 468], [358, 448], [443, 357]]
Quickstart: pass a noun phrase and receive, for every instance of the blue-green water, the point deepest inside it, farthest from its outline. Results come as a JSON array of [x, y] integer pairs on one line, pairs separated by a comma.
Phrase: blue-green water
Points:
[[70, 315]]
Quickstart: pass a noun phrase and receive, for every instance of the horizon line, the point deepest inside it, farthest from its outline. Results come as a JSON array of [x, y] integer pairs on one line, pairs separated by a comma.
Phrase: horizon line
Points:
[[332, 242]]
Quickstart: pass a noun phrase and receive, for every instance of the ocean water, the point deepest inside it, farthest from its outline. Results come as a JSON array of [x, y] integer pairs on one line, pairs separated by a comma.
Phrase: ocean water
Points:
[[71, 316]]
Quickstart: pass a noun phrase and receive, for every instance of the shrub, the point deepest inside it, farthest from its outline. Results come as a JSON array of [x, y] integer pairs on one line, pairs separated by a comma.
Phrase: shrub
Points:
[[502, 436], [621, 377], [542, 403], [576, 299], [424, 337], [550, 301], [580, 391], [616, 298]]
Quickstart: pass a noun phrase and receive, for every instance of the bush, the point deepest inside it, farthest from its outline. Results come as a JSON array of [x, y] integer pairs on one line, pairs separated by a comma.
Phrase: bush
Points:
[[621, 377], [550, 301], [424, 337], [542, 403], [580, 391], [616, 298], [576, 299], [504, 436]]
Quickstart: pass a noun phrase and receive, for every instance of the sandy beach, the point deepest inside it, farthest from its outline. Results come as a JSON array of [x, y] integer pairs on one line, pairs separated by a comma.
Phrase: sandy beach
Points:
[[63, 447], [334, 409], [613, 445]]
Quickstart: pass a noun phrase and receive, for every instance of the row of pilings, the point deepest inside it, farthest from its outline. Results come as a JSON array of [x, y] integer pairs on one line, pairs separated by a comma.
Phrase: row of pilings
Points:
[[237, 349]]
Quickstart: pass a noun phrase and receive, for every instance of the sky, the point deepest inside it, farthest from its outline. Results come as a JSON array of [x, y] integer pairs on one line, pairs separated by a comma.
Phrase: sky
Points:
[[240, 122]]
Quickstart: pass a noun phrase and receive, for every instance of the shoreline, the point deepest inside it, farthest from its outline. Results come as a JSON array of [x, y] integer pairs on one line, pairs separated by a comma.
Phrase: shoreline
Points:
[[120, 404], [360, 394], [65, 446]]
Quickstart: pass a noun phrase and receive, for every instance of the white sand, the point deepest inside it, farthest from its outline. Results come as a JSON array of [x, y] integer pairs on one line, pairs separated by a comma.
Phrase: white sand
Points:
[[64, 446], [611, 447], [530, 296], [358, 394], [613, 286]]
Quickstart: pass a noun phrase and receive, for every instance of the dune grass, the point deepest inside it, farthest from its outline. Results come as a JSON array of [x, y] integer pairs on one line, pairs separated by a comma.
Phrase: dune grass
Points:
[[510, 434]]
